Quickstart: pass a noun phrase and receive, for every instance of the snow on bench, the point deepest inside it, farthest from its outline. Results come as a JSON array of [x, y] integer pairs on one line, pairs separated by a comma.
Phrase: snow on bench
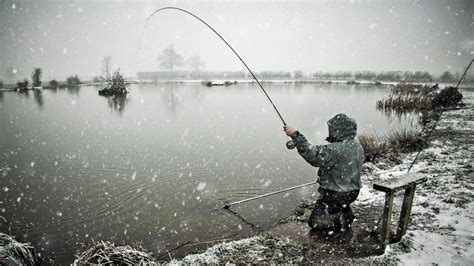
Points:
[[407, 182]]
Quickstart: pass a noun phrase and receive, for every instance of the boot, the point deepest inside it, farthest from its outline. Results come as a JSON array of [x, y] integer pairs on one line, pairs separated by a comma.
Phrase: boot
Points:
[[348, 218]]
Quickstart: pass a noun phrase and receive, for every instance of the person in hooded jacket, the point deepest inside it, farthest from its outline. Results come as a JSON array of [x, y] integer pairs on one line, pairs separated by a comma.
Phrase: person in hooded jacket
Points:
[[340, 163]]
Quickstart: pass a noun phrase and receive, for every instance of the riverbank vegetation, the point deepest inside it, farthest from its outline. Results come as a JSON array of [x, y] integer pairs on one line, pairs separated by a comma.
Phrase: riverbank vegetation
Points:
[[107, 253], [54, 84], [73, 81], [13, 252], [408, 97], [391, 146], [428, 100], [116, 86], [22, 85]]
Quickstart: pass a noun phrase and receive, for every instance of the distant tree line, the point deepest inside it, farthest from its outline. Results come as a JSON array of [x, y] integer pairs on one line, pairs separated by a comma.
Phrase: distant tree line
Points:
[[36, 75], [187, 74], [387, 76], [169, 60], [399, 76]]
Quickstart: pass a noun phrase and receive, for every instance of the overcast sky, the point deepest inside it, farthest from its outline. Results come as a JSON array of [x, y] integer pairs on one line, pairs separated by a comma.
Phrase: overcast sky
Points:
[[71, 37]]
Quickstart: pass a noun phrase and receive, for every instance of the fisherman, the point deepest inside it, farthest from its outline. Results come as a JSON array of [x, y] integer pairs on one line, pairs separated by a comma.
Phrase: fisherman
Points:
[[340, 164]]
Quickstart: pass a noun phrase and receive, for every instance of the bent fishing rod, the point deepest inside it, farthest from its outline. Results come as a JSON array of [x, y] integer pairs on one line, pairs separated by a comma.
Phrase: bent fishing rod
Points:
[[222, 38], [290, 144]]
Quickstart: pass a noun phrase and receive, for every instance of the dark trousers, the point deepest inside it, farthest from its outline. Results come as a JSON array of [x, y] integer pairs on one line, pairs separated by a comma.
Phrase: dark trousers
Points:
[[330, 207]]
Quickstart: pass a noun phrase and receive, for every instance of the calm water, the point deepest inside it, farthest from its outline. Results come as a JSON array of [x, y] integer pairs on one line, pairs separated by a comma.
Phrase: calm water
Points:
[[158, 166]]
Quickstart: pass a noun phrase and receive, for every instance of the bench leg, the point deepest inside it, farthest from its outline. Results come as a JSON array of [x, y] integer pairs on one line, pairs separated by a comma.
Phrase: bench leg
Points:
[[386, 220], [405, 214]]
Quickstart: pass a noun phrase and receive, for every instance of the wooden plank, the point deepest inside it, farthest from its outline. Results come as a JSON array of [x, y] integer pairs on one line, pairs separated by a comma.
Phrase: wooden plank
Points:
[[405, 214], [401, 182], [386, 220]]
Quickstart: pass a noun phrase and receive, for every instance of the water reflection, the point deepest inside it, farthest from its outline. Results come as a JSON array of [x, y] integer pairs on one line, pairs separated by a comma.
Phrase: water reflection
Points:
[[413, 117], [53, 89], [25, 93], [171, 98], [39, 98], [73, 89], [117, 103]]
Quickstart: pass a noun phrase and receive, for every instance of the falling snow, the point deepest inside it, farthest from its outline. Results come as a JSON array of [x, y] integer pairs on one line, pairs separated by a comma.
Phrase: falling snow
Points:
[[154, 169]]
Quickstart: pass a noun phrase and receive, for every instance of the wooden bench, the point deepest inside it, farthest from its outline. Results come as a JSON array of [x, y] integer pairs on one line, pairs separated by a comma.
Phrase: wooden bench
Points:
[[407, 182]]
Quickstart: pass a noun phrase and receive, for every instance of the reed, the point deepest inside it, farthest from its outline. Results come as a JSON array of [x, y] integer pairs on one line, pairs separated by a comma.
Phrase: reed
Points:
[[107, 253], [374, 148], [405, 141], [406, 102], [390, 146], [409, 97], [414, 89], [13, 252]]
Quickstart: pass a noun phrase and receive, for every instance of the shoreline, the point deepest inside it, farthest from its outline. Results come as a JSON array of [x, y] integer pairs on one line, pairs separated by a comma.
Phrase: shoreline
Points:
[[11, 87], [438, 210], [441, 224]]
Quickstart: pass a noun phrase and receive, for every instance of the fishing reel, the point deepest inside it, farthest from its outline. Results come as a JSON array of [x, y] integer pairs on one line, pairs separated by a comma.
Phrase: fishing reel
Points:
[[290, 145]]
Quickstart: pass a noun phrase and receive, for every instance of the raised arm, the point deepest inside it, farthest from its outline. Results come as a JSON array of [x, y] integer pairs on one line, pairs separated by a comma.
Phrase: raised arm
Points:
[[316, 155]]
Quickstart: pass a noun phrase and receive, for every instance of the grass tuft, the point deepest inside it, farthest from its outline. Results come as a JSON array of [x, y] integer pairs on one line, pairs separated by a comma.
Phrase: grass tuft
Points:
[[405, 141], [391, 145], [13, 252], [101, 252]]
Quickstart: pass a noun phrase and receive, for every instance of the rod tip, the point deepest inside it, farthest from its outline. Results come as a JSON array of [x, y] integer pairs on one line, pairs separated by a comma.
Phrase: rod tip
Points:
[[226, 205]]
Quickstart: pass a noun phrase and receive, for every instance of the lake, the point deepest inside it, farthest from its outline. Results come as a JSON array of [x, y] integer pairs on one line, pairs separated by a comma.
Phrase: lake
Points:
[[158, 166]]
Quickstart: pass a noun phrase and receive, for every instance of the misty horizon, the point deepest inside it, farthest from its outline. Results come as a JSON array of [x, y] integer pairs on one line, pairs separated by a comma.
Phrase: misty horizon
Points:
[[72, 38]]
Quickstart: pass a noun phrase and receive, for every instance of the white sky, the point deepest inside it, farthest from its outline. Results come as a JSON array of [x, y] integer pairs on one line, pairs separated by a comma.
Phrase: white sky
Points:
[[71, 37]]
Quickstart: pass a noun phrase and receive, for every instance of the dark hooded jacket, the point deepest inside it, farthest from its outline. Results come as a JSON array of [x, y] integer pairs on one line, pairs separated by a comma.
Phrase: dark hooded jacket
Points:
[[339, 162]]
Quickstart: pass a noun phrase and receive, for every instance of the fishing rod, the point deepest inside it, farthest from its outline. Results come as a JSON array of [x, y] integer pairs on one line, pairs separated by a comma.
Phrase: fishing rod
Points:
[[439, 117], [289, 144], [228, 204]]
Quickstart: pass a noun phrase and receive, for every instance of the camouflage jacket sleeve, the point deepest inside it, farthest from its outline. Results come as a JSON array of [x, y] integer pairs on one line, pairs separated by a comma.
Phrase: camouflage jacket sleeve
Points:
[[316, 155]]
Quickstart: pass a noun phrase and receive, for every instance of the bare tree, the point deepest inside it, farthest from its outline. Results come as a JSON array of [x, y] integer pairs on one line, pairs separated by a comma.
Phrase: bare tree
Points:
[[298, 74], [106, 67], [169, 59], [195, 63], [36, 77]]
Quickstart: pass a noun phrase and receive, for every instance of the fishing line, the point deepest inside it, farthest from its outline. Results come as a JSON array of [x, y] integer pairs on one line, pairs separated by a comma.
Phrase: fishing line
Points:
[[439, 117], [289, 144], [209, 26]]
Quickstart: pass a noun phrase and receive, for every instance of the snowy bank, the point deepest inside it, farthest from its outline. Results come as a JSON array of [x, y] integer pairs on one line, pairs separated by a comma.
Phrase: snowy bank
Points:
[[441, 228]]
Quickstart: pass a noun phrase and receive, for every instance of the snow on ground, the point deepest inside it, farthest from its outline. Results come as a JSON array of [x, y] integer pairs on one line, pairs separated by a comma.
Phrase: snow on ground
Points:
[[442, 226], [442, 222], [257, 249]]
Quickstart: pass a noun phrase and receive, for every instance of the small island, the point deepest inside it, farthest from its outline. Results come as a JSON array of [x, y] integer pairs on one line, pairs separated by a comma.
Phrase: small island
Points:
[[226, 83], [116, 86]]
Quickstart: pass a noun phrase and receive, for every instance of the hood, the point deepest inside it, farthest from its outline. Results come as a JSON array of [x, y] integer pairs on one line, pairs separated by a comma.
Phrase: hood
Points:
[[341, 127]]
